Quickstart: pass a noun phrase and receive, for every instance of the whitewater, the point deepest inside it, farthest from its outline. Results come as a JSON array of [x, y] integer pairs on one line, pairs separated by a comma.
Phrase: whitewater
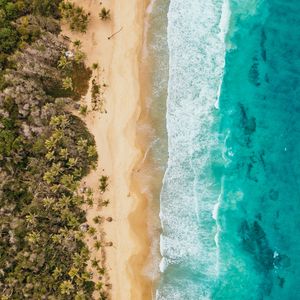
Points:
[[191, 189], [229, 204]]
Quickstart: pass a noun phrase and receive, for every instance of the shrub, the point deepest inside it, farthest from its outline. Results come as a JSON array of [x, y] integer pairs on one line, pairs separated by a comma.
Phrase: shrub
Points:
[[8, 40]]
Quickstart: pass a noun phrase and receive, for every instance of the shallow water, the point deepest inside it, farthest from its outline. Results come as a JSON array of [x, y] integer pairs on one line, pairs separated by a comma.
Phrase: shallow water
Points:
[[230, 201], [152, 125], [190, 191]]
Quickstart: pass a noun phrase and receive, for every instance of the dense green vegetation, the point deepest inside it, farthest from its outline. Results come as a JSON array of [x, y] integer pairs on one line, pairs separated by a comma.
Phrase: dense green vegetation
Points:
[[76, 16], [16, 23], [44, 153]]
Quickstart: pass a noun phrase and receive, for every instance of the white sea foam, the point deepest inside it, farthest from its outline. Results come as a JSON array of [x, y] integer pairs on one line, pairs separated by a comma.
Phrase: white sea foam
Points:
[[174, 291], [215, 217], [196, 32], [216, 209], [224, 26], [225, 18]]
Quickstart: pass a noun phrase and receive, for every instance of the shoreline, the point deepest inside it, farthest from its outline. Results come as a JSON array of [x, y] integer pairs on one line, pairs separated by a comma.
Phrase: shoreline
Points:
[[133, 240], [142, 287], [118, 146], [152, 141]]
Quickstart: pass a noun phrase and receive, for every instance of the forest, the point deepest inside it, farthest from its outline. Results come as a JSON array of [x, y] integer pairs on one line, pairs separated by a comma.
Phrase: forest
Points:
[[44, 153]]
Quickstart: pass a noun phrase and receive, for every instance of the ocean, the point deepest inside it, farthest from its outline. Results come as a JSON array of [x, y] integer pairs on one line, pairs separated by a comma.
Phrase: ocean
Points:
[[230, 203]]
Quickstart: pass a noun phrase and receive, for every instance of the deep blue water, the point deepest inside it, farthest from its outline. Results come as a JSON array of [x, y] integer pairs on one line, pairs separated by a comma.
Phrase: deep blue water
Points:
[[230, 203]]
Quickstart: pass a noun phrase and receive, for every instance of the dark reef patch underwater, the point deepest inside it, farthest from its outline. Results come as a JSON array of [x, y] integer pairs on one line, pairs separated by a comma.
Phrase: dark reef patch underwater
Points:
[[249, 246], [260, 123]]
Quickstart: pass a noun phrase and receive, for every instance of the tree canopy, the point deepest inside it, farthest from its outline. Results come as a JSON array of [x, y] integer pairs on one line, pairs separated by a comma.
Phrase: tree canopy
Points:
[[44, 153]]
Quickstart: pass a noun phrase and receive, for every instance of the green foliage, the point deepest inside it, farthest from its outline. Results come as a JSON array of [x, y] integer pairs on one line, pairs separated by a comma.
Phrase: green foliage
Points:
[[77, 18], [103, 183], [95, 66], [95, 89], [76, 81], [104, 14], [97, 220], [97, 101], [64, 63], [77, 43], [83, 110], [44, 153], [67, 83], [92, 231], [46, 7], [104, 203], [15, 30], [97, 245], [8, 40]]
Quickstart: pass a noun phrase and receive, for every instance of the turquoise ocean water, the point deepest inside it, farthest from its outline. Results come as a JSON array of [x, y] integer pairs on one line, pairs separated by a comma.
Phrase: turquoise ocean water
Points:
[[230, 202]]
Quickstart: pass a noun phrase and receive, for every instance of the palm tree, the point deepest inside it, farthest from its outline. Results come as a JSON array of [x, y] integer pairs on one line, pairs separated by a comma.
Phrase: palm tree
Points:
[[64, 153], [79, 56], [72, 162], [57, 272], [50, 156], [82, 144], [65, 201], [50, 143], [97, 245], [52, 173], [92, 231], [59, 121], [79, 260], [66, 8], [95, 66], [55, 169], [63, 121], [83, 110], [103, 183], [49, 176], [101, 271], [92, 151], [48, 202], [77, 44], [67, 83], [75, 15], [97, 220], [99, 285], [105, 203], [73, 272], [57, 135], [33, 237], [68, 181], [66, 287], [89, 191], [31, 219], [95, 263], [104, 14], [64, 63], [80, 296], [89, 201]]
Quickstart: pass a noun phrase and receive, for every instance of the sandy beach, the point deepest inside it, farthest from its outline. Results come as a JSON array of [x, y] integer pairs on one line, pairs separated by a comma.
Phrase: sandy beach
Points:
[[115, 133]]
